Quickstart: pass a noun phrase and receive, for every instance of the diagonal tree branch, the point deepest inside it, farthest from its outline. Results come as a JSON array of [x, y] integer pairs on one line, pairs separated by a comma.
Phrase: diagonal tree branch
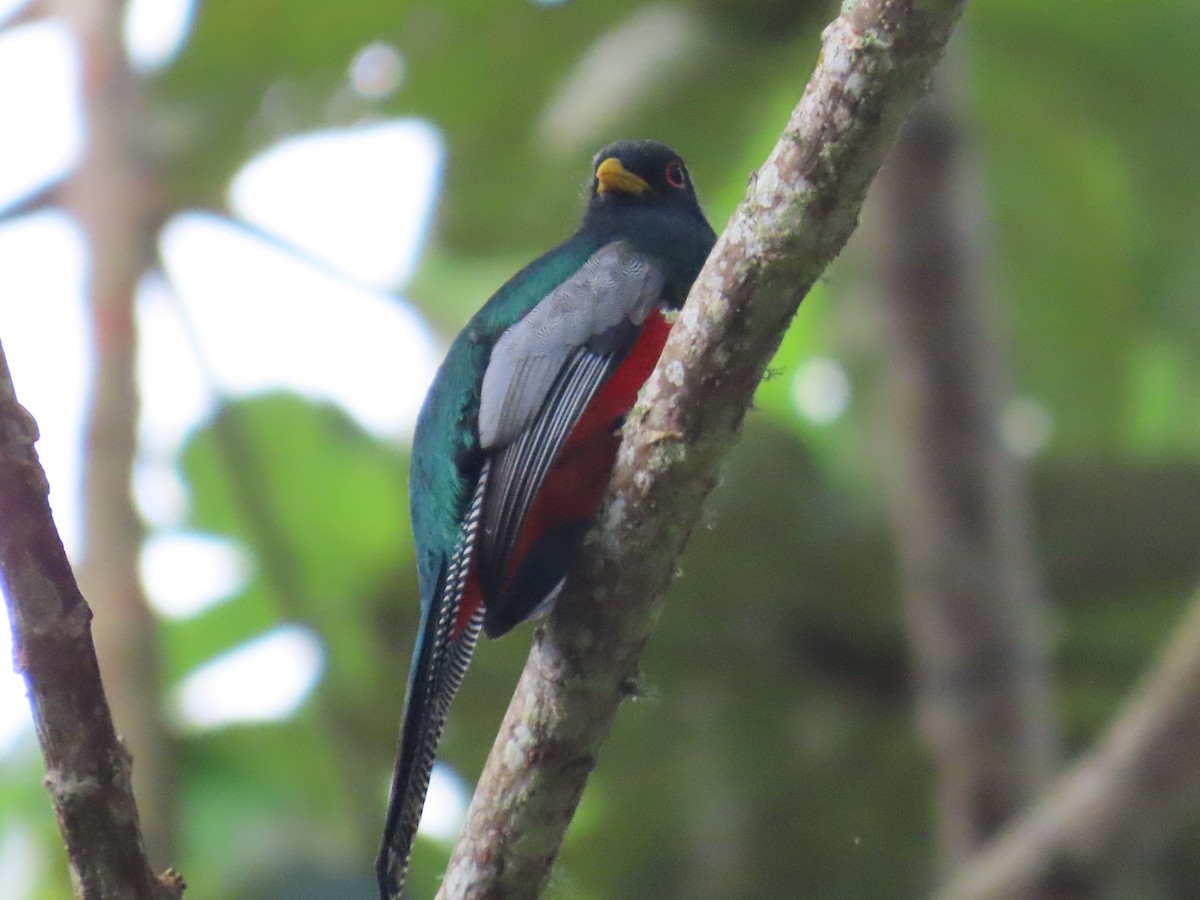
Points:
[[799, 210], [87, 768], [1125, 795]]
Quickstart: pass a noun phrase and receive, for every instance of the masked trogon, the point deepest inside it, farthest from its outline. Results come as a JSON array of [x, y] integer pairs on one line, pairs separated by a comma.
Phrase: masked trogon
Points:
[[519, 432]]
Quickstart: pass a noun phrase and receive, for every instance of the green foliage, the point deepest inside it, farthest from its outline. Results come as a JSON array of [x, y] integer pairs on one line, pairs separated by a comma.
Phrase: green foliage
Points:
[[484, 73], [321, 506], [1089, 124], [319, 503]]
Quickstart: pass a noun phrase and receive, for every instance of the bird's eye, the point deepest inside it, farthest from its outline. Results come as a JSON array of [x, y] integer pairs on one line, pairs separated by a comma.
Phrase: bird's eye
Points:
[[676, 175]]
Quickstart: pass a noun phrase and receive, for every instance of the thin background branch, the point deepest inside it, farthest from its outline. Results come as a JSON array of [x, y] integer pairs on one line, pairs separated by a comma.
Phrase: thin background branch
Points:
[[114, 198], [799, 210], [957, 500], [1119, 800], [250, 489]]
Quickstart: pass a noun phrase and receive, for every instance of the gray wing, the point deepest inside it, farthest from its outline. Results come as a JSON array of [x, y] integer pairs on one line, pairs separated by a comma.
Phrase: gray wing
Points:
[[600, 307], [543, 372]]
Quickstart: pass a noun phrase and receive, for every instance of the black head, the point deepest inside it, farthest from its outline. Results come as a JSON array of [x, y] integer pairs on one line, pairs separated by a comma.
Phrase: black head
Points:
[[641, 173], [641, 193]]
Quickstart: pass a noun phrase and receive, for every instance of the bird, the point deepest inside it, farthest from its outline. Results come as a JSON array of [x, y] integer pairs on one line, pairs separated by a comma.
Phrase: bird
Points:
[[518, 434]]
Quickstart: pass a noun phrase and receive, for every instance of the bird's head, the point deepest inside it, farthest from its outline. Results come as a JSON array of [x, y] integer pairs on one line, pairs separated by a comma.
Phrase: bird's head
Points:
[[641, 173]]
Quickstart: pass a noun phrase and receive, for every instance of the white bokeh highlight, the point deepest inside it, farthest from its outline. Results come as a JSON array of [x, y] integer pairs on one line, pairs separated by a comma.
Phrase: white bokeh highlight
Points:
[[263, 680], [1025, 427], [316, 191], [376, 70], [43, 324], [265, 320], [40, 103], [155, 31], [821, 390], [22, 858], [445, 805], [216, 569], [14, 708]]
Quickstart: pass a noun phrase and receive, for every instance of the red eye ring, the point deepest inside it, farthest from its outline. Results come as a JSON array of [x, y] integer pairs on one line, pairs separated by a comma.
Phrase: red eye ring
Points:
[[676, 175]]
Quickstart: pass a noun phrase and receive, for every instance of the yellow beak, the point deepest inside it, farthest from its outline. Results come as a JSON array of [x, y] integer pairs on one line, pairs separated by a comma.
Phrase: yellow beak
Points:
[[612, 177]]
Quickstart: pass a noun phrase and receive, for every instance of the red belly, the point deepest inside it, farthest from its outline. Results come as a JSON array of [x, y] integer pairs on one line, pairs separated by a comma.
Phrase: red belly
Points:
[[575, 483]]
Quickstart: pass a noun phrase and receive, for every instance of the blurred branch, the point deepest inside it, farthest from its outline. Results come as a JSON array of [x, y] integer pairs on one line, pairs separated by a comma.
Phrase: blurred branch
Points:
[[798, 212], [1121, 798], [279, 561], [38, 200], [958, 506], [87, 767], [283, 574], [23, 16], [114, 198], [300, 254]]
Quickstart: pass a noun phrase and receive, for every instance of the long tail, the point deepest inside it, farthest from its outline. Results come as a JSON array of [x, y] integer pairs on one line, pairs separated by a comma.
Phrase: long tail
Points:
[[440, 660]]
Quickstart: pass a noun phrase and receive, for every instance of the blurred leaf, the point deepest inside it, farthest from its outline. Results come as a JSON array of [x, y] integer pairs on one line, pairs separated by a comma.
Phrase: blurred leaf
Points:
[[303, 486], [1086, 118], [1161, 409], [253, 793]]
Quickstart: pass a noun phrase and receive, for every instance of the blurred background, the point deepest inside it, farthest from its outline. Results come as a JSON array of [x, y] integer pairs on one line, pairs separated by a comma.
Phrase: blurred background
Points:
[[235, 239]]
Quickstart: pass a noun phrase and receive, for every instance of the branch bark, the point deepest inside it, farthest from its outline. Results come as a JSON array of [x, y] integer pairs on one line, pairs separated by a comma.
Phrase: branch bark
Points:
[[1123, 797], [87, 767], [799, 210], [973, 604]]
